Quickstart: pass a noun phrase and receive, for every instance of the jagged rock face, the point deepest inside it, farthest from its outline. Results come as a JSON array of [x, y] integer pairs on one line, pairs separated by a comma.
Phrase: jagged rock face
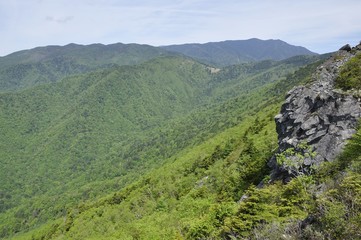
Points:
[[318, 114]]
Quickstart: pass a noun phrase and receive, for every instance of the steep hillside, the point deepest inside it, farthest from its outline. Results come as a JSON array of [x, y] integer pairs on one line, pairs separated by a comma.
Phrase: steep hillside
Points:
[[239, 51], [52, 63], [318, 159], [74, 141], [319, 115], [208, 192], [91, 134]]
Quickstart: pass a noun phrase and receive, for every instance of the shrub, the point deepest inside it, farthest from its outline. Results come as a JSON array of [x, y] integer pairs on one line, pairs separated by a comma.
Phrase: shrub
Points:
[[350, 74]]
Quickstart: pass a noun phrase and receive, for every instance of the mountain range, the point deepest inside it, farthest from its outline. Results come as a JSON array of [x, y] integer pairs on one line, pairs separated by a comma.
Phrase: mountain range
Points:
[[239, 51], [52, 63], [128, 141]]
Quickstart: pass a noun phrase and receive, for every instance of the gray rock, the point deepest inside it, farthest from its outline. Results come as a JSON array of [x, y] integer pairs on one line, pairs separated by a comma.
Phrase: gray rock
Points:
[[310, 122], [316, 136], [308, 161], [347, 47], [311, 131], [318, 115]]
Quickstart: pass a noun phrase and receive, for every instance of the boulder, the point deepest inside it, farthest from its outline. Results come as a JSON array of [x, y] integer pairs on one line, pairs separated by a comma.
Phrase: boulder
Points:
[[347, 48]]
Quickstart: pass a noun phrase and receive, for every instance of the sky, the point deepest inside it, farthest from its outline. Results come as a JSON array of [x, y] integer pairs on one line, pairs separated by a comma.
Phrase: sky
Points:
[[319, 25]]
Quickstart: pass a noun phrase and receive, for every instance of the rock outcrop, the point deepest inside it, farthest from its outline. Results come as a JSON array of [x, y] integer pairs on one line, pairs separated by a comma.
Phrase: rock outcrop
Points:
[[347, 47], [318, 114]]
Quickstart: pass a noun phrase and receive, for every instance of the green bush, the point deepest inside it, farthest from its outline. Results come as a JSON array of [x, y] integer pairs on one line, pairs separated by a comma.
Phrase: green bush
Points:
[[350, 74]]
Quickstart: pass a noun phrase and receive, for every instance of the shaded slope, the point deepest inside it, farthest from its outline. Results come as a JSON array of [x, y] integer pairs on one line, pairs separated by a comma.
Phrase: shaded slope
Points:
[[49, 64], [239, 51]]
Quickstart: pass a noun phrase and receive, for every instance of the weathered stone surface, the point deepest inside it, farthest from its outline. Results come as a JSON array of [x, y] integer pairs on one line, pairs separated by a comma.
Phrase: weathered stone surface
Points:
[[318, 114], [312, 121]]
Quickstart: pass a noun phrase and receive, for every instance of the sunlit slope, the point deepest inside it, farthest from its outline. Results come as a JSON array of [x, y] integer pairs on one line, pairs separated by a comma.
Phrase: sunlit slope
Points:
[[94, 133]]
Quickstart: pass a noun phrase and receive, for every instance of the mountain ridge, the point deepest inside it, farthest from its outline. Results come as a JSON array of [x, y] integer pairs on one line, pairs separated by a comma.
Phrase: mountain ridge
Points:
[[39, 65], [52, 63], [237, 51]]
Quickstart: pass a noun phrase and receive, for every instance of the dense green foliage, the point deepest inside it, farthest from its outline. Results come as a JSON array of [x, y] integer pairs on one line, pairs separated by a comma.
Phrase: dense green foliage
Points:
[[330, 198], [350, 74], [163, 149], [195, 197], [207, 193], [182, 197]]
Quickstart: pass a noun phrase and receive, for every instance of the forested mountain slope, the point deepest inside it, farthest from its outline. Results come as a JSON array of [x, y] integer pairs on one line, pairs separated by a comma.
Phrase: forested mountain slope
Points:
[[40, 65], [198, 187], [208, 191], [52, 63], [91, 134], [239, 51]]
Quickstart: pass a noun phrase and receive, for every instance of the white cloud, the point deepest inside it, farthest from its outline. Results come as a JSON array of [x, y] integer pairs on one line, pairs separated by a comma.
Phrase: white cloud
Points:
[[319, 25]]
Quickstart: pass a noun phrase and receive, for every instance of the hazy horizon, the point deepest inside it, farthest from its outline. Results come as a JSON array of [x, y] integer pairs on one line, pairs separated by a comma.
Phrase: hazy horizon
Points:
[[316, 25]]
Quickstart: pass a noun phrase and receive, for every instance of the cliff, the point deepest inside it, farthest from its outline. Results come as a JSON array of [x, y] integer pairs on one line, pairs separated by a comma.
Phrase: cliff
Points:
[[318, 116]]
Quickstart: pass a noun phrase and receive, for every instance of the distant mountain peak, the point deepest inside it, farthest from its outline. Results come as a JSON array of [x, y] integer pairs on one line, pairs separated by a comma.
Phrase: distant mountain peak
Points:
[[231, 52]]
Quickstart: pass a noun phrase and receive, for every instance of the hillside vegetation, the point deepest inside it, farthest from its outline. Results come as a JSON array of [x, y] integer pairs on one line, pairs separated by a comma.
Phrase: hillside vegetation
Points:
[[135, 142], [69, 144], [209, 192], [350, 75]]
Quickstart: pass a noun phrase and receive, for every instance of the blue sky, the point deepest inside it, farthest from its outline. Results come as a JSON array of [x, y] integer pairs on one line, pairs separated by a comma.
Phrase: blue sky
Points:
[[320, 25]]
